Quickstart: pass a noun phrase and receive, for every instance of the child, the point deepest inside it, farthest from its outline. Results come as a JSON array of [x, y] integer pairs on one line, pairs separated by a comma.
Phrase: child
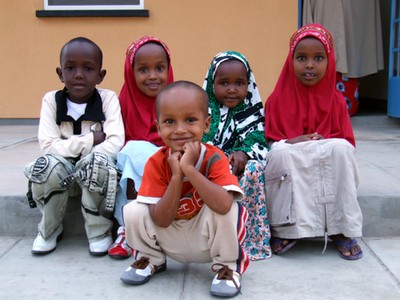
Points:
[[186, 206], [147, 70], [311, 171], [237, 128], [80, 134]]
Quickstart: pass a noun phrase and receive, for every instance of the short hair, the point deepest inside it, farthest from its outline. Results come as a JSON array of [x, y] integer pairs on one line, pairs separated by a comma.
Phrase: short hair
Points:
[[186, 85], [81, 39]]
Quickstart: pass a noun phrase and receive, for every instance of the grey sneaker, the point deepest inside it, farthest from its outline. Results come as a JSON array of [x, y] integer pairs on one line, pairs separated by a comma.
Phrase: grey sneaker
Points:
[[226, 283], [141, 271]]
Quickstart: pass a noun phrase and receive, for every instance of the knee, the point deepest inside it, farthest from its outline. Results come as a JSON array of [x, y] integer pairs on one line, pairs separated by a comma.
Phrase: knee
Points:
[[98, 173], [46, 174], [135, 214], [343, 148], [230, 216], [278, 156], [233, 212]]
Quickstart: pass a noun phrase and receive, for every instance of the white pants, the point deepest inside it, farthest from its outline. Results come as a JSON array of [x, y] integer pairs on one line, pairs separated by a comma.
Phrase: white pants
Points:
[[312, 189]]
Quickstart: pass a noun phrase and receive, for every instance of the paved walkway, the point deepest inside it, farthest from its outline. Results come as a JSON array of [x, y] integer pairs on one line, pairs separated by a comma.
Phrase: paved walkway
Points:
[[302, 273]]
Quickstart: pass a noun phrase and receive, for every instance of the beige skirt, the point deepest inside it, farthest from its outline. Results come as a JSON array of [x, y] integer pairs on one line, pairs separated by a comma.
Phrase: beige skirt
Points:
[[312, 189]]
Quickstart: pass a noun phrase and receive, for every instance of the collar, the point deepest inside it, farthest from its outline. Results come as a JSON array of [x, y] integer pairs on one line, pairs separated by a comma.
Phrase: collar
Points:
[[93, 111]]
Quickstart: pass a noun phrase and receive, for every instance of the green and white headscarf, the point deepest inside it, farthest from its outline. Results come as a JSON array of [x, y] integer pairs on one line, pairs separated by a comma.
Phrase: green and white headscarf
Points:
[[241, 128]]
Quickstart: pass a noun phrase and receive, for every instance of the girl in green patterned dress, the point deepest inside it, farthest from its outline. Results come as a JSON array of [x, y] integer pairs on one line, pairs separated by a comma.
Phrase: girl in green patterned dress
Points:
[[237, 128]]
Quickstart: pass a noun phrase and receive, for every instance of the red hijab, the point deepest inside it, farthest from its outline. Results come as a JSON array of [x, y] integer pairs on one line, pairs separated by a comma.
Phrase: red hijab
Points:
[[138, 110], [294, 109]]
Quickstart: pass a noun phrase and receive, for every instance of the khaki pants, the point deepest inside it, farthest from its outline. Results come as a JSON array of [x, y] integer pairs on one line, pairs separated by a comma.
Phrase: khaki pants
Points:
[[208, 237], [52, 198]]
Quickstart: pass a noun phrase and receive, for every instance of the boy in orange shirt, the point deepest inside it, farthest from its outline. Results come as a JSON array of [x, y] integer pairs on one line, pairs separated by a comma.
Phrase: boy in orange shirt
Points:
[[186, 206]]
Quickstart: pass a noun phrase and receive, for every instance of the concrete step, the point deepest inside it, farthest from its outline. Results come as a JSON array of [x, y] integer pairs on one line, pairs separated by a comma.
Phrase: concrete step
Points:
[[380, 212], [378, 148], [381, 217], [18, 219]]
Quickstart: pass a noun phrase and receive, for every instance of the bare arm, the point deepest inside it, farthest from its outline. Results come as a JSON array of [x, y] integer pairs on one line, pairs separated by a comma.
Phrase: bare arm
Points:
[[164, 212], [238, 161], [214, 196], [98, 137]]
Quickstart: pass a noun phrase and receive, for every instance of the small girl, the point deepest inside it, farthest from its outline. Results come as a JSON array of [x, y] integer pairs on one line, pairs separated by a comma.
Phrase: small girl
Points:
[[237, 128], [147, 70], [311, 172]]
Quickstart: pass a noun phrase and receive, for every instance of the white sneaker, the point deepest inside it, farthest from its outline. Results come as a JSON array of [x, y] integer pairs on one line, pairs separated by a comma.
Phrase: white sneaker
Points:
[[43, 246], [100, 247]]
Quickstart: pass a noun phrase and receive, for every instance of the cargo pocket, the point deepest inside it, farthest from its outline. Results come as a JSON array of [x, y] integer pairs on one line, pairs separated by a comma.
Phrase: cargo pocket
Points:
[[279, 199]]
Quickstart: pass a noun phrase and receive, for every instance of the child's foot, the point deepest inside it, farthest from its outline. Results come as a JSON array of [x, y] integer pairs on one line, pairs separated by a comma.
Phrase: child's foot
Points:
[[43, 246], [141, 271], [226, 282], [348, 248], [100, 247], [120, 248], [281, 246]]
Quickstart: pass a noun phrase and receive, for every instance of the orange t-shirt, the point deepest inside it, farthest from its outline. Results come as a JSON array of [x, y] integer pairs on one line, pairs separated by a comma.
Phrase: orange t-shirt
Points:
[[157, 174]]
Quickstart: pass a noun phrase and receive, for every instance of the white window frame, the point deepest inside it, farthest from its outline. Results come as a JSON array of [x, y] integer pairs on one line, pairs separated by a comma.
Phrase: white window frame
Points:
[[93, 7]]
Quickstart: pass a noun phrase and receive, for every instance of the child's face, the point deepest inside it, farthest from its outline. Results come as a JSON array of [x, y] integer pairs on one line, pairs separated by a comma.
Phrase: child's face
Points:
[[151, 69], [182, 117], [80, 71], [310, 61], [230, 83]]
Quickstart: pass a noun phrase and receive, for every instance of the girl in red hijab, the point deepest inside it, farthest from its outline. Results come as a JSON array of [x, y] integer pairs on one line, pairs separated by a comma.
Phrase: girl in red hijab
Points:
[[311, 171], [147, 70]]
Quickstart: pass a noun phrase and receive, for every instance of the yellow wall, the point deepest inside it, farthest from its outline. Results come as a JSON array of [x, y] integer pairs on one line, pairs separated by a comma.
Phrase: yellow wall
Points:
[[194, 30]]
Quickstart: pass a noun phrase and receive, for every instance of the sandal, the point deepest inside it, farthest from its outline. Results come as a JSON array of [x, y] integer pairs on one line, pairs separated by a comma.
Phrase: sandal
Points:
[[347, 245], [284, 249]]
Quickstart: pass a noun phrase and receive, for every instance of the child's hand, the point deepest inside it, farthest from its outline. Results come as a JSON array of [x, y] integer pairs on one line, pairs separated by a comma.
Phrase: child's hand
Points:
[[174, 163], [191, 153], [238, 162], [98, 137], [305, 138]]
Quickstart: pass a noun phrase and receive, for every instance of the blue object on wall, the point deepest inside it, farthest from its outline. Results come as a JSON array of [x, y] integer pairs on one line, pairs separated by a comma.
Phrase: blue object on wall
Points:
[[394, 62]]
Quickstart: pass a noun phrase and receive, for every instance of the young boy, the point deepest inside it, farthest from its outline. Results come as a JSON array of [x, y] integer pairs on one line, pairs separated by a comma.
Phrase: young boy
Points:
[[186, 206], [80, 134]]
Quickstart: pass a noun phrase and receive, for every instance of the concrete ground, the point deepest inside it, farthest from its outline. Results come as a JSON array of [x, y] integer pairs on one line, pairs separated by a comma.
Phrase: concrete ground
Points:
[[302, 273]]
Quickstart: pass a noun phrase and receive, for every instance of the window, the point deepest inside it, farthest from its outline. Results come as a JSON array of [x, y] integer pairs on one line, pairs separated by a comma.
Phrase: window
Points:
[[93, 8], [92, 4]]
